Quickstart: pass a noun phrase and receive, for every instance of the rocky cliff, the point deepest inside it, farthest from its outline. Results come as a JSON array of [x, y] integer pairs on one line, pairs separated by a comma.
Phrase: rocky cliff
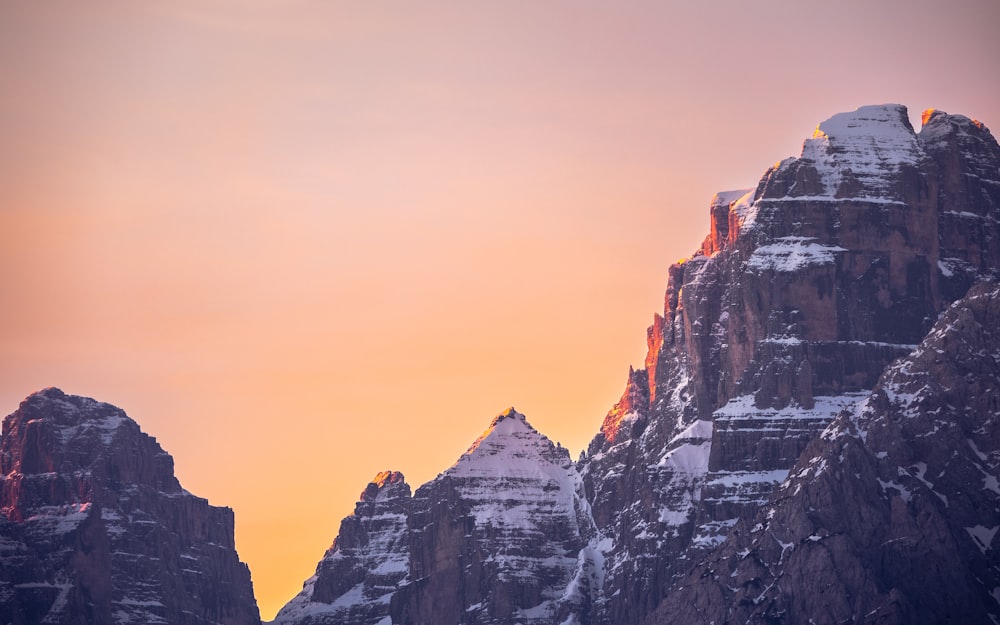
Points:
[[497, 538], [358, 575], [891, 515], [807, 288], [95, 528]]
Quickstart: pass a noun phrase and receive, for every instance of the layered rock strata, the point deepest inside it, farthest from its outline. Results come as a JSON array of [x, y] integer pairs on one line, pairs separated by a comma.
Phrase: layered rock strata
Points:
[[96, 529], [807, 288], [891, 515], [357, 576]]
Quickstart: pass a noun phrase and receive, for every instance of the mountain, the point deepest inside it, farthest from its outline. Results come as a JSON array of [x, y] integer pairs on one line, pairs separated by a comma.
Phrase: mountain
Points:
[[370, 557], [806, 290], [891, 515], [813, 437], [95, 528], [499, 537]]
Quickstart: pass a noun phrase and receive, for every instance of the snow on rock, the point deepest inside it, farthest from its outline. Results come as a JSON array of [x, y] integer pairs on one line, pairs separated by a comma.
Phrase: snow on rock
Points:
[[368, 560], [788, 254], [867, 144], [513, 505]]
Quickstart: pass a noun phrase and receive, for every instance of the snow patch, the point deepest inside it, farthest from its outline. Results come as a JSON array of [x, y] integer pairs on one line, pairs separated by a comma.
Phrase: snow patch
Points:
[[983, 536], [789, 254]]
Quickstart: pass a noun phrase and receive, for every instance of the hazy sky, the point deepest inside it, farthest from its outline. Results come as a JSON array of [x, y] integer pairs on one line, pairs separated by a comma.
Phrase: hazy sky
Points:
[[301, 242]]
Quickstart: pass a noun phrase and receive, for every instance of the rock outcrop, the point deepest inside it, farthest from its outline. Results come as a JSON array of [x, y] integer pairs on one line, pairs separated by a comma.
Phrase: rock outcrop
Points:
[[370, 557], [95, 528], [891, 515], [807, 288], [497, 538]]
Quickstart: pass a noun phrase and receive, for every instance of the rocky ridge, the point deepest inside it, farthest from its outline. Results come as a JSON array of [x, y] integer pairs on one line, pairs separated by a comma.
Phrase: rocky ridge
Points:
[[496, 538], [715, 489], [95, 528], [891, 515], [806, 289]]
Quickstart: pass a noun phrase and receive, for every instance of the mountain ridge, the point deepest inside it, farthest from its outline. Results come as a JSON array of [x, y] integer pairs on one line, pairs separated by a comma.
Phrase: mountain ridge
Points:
[[791, 354], [806, 288]]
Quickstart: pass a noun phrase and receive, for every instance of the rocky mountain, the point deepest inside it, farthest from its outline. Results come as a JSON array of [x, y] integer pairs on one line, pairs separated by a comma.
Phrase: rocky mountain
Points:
[[95, 528], [813, 437], [891, 515], [500, 537], [806, 290], [366, 563]]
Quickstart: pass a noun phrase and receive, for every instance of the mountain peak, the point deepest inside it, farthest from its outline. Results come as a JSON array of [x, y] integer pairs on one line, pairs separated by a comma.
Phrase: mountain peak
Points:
[[51, 428], [385, 485], [854, 153], [509, 446], [509, 413], [387, 477]]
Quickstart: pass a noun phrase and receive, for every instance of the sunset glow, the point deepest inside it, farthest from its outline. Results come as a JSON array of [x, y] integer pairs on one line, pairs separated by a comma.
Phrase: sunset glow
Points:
[[304, 243]]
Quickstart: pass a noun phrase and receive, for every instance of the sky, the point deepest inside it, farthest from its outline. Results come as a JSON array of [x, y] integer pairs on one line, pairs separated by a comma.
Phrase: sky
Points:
[[305, 241]]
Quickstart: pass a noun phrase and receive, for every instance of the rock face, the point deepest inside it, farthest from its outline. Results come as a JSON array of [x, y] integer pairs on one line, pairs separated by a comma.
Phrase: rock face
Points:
[[497, 538], [366, 563], [891, 516], [95, 528], [807, 288]]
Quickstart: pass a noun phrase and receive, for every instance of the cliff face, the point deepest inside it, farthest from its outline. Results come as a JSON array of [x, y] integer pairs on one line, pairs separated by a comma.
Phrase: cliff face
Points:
[[807, 288], [891, 515], [95, 527], [496, 538], [357, 576]]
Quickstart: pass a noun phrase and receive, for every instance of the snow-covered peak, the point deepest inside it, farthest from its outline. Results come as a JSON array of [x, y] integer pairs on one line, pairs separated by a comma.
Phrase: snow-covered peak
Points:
[[867, 144], [725, 199], [509, 447]]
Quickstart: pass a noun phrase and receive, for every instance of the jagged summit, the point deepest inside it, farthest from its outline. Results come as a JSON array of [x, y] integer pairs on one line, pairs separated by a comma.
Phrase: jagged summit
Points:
[[67, 425], [385, 484], [383, 478], [807, 288], [95, 528], [507, 442], [367, 560]]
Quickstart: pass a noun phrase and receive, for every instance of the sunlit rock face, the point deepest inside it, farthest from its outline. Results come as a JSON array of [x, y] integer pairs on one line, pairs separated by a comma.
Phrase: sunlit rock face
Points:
[[95, 528], [805, 291]]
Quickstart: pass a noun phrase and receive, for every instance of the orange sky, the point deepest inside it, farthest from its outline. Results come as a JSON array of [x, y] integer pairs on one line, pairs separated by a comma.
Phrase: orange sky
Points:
[[305, 241]]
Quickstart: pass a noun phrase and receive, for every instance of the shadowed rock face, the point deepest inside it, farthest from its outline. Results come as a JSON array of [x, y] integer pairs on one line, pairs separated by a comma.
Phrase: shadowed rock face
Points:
[[807, 288], [369, 558], [95, 528], [891, 515]]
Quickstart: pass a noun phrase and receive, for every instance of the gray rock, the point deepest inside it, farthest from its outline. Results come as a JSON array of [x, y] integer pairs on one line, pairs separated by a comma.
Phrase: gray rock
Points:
[[96, 529]]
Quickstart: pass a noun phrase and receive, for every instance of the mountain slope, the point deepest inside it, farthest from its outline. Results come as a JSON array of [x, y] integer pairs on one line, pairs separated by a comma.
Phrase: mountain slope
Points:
[[496, 538], [96, 529], [891, 516], [806, 289], [369, 558]]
